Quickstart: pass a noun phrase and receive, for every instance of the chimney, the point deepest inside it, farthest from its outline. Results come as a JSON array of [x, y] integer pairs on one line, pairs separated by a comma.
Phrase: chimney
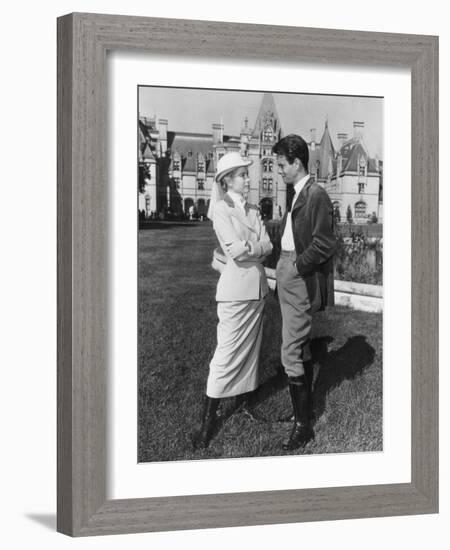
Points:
[[217, 132], [313, 139], [358, 128], [342, 138], [245, 130], [162, 127]]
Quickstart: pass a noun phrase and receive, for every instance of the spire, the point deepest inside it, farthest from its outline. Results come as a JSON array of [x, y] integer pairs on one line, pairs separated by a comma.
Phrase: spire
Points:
[[267, 115], [327, 152]]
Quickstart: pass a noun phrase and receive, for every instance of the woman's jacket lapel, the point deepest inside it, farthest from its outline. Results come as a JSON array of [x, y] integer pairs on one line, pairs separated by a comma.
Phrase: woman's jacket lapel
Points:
[[238, 213]]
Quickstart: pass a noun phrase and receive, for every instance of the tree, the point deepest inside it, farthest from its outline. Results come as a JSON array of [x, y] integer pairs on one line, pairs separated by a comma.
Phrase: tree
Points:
[[349, 214], [144, 173]]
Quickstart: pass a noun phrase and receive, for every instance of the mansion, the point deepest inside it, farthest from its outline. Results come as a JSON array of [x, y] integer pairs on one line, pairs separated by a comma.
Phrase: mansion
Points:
[[176, 169]]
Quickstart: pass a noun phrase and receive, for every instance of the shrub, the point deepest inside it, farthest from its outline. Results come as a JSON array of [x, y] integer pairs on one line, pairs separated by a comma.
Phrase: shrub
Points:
[[359, 260], [349, 214]]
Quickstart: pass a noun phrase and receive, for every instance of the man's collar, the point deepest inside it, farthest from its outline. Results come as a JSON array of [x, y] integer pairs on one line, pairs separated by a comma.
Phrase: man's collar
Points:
[[300, 184]]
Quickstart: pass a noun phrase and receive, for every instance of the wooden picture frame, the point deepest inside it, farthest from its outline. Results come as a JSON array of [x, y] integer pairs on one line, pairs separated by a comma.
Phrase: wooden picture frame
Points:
[[83, 41]]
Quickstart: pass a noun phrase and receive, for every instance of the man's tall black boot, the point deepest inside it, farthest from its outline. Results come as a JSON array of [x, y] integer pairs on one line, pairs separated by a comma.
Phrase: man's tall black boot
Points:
[[202, 438], [309, 378], [301, 397]]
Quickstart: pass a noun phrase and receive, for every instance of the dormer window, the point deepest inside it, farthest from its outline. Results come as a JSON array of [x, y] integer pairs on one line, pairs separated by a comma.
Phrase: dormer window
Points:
[[362, 167], [200, 166], [176, 164]]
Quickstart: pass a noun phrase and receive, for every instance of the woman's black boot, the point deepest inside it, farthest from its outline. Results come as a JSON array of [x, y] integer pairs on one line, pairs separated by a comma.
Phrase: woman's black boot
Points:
[[202, 438]]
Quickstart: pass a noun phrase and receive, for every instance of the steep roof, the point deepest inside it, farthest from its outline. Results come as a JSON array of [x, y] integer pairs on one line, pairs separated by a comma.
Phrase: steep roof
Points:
[[183, 142], [313, 158], [147, 145], [351, 151], [334, 166], [326, 152], [189, 146], [267, 113]]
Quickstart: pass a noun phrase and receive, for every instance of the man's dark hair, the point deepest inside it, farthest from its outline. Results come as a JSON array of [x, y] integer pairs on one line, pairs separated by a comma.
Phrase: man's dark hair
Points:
[[293, 147]]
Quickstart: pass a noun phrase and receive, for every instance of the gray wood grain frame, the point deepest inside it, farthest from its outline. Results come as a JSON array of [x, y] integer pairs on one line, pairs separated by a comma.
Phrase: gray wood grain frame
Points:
[[83, 41]]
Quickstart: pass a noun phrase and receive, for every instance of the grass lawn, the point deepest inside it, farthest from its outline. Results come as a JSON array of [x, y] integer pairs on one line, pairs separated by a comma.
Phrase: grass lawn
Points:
[[177, 337]]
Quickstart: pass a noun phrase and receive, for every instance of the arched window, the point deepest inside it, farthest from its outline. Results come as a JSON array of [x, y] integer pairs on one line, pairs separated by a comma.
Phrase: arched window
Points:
[[201, 208], [266, 207], [360, 209], [187, 204]]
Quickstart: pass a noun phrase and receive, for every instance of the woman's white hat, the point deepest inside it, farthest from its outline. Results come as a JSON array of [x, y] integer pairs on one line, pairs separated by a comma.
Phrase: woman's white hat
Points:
[[229, 162]]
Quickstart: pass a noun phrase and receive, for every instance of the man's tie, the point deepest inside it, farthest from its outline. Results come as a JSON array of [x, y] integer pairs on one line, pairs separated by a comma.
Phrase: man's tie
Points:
[[290, 194]]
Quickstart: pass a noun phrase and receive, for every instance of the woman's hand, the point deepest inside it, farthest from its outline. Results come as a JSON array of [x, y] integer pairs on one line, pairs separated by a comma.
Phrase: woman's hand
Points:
[[236, 248]]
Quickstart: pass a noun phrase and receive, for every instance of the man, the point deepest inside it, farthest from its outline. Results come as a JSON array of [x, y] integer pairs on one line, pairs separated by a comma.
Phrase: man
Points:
[[304, 276]]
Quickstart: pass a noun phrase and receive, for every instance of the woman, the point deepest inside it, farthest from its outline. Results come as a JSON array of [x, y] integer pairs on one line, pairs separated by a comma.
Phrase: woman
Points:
[[241, 290]]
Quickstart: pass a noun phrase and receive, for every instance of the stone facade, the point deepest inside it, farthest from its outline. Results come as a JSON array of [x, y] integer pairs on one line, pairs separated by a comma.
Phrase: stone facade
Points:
[[177, 168]]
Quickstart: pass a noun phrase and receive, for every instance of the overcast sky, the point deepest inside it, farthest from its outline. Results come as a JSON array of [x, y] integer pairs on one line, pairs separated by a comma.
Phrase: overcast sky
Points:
[[195, 110]]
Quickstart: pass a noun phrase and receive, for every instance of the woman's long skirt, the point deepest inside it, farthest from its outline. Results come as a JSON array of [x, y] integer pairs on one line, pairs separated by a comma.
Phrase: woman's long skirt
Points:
[[234, 368]]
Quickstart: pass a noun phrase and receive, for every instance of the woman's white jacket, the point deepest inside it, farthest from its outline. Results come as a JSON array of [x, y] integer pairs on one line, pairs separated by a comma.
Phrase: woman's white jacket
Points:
[[243, 277]]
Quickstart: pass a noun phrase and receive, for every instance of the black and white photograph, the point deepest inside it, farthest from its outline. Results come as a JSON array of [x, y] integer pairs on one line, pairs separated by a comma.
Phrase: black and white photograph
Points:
[[222, 300], [260, 276]]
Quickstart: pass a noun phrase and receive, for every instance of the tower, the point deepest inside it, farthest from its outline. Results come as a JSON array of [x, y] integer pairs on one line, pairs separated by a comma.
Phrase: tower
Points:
[[268, 189]]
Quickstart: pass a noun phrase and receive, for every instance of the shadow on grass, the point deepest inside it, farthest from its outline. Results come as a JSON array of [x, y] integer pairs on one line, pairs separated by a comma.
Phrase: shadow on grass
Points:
[[330, 369], [333, 368]]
